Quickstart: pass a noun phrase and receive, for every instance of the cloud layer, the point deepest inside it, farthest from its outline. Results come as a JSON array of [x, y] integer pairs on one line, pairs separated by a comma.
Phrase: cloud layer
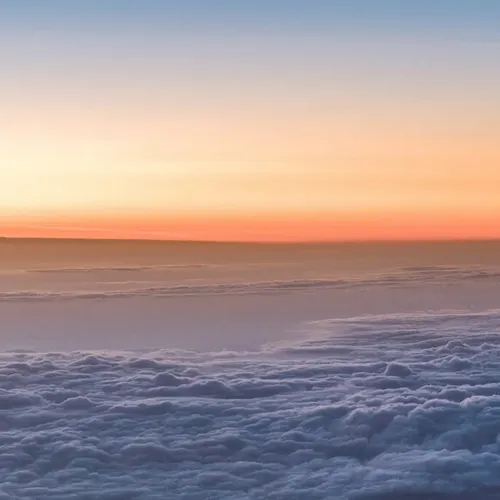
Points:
[[381, 407], [407, 276]]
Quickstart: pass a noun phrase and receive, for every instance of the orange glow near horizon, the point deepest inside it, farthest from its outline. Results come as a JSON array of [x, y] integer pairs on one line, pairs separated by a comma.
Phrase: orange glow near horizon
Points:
[[357, 184], [259, 228], [247, 138]]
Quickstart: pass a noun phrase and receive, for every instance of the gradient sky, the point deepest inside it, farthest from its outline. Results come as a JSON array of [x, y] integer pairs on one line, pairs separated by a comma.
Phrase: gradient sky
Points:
[[258, 120]]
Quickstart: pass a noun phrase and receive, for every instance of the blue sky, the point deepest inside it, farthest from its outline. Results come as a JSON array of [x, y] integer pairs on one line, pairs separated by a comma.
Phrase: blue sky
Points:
[[479, 18]]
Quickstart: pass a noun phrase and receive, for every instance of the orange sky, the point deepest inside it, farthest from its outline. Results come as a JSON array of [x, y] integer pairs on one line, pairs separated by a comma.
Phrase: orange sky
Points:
[[260, 227], [230, 137], [366, 184]]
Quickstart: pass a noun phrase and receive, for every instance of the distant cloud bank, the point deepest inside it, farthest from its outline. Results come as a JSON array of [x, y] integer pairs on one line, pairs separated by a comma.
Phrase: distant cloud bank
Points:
[[407, 276]]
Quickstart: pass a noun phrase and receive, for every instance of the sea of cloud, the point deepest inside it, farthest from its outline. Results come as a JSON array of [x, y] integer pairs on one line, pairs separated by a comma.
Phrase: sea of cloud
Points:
[[403, 406]]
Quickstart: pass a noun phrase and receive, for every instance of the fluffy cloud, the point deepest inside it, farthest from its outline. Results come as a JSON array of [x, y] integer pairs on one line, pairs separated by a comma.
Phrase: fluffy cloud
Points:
[[383, 407]]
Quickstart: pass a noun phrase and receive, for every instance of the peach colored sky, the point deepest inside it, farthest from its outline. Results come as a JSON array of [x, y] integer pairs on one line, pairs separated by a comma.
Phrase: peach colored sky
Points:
[[288, 134]]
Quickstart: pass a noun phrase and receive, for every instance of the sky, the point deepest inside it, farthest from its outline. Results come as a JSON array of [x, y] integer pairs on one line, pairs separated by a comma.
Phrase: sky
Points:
[[257, 121]]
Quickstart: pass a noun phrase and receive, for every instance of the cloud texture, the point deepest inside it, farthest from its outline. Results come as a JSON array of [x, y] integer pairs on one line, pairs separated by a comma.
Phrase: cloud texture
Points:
[[381, 407], [403, 277]]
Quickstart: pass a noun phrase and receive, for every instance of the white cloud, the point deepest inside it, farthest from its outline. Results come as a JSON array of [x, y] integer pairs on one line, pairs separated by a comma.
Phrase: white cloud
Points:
[[394, 407]]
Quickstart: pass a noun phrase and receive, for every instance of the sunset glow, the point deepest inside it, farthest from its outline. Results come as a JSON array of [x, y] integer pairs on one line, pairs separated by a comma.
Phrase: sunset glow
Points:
[[112, 126]]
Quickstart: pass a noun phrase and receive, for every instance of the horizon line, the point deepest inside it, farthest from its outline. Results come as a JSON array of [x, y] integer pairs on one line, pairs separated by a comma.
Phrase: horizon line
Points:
[[255, 242]]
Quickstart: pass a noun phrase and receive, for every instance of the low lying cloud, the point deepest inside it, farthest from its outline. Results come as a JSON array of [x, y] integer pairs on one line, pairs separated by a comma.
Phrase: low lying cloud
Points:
[[405, 277], [121, 269], [382, 407]]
